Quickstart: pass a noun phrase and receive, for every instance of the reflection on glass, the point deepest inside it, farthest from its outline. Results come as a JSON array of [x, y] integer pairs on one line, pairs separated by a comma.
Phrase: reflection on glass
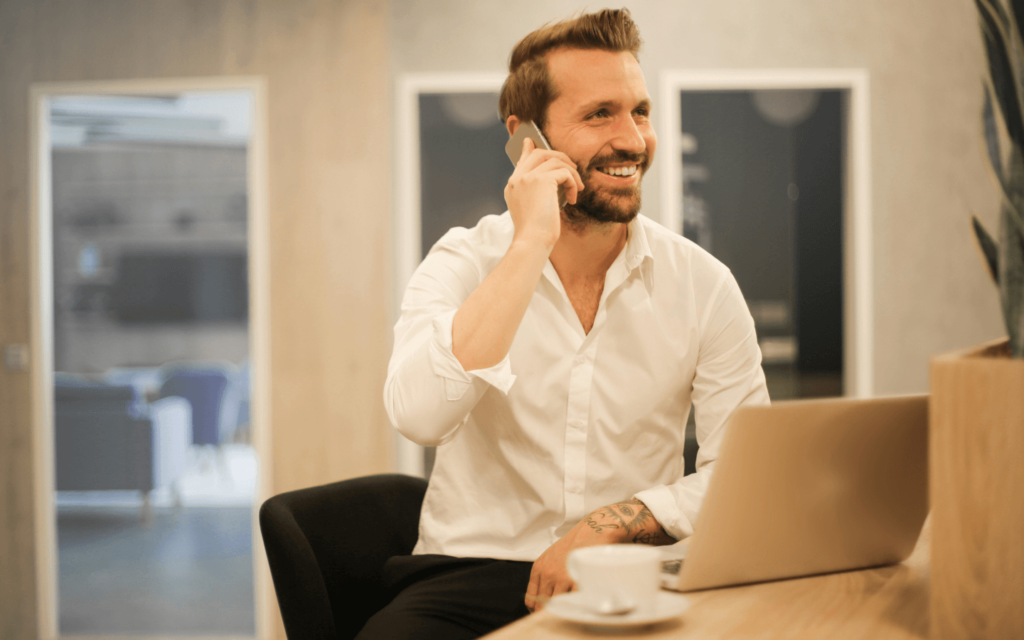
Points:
[[463, 166], [155, 471], [762, 191]]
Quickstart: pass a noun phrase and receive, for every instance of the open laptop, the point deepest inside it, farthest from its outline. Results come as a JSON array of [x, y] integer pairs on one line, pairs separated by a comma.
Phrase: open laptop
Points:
[[807, 487]]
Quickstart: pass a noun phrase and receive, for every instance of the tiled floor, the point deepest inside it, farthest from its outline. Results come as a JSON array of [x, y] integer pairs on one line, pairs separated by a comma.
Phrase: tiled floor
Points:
[[188, 571]]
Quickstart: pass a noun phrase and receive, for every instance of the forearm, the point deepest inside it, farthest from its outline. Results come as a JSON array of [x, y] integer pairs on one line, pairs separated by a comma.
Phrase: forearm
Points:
[[628, 521], [486, 323]]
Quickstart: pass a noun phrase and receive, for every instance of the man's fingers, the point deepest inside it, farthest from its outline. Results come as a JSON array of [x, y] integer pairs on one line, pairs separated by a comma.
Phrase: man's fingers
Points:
[[531, 589], [571, 188], [561, 587], [534, 161], [534, 156], [565, 175], [545, 589], [528, 146]]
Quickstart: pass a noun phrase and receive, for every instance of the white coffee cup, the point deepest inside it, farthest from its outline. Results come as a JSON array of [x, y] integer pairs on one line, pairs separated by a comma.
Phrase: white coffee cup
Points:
[[617, 575]]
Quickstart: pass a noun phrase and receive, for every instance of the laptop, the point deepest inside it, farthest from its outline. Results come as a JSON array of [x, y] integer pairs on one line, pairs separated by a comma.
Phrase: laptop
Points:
[[808, 487]]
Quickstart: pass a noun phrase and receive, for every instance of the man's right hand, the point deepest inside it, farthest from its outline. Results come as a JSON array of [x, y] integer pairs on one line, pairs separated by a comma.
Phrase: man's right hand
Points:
[[532, 193], [485, 325]]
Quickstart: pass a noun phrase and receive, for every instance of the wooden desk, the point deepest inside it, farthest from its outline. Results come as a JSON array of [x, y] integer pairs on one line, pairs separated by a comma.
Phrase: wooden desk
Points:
[[874, 604]]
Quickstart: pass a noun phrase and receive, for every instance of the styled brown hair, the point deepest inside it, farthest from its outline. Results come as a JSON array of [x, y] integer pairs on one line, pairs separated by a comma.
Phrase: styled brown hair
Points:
[[529, 90]]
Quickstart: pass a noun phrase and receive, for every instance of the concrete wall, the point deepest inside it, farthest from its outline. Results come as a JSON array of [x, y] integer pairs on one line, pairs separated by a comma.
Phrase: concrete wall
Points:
[[931, 293], [325, 64]]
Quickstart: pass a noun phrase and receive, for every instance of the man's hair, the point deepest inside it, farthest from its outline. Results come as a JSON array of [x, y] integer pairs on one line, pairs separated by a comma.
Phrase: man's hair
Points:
[[529, 89]]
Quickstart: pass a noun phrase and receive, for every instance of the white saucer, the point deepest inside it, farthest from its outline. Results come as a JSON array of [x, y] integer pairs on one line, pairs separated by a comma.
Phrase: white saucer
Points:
[[570, 606]]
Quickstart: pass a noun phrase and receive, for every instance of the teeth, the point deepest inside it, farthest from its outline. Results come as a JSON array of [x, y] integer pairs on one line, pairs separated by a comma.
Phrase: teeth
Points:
[[619, 171]]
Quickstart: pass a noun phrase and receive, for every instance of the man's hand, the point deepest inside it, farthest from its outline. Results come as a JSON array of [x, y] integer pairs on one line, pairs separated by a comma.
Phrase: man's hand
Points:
[[623, 522], [532, 193]]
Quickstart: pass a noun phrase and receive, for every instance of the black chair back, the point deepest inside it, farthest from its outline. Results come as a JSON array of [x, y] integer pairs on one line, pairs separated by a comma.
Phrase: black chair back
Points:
[[327, 546]]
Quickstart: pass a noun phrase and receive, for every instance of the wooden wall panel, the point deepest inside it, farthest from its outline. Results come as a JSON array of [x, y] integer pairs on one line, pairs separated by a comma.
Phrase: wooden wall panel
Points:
[[326, 63]]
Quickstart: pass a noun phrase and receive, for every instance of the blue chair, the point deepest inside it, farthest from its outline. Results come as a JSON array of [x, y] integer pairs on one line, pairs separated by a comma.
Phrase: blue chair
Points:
[[204, 389]]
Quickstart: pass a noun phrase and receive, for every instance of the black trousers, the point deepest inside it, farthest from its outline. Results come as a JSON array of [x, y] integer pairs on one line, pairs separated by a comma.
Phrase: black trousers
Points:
[[449, 598]]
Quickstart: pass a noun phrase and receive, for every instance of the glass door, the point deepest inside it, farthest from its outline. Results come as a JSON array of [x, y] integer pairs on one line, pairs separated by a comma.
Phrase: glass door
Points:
[[155, 469]]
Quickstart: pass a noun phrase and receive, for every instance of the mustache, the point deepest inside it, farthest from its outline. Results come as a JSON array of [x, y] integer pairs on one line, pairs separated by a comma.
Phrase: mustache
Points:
[[643, 159]]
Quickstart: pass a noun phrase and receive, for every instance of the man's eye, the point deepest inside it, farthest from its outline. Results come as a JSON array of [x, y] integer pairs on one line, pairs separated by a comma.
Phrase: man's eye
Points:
[[642, 112], [602, 113]]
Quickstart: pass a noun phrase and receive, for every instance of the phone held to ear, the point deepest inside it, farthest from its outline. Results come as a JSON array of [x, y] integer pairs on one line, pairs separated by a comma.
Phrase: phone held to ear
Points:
[[514, 149]]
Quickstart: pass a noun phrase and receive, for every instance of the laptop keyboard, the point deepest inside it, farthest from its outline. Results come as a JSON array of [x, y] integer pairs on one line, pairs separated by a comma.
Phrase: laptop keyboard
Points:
[[672, 566]]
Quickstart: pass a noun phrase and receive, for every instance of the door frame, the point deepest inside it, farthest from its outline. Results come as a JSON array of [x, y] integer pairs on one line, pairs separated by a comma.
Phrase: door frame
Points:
[[41, 279], [858, 284]]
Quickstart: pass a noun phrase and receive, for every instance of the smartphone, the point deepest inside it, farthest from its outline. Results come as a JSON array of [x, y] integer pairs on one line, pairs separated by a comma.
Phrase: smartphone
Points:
[[514, 149]]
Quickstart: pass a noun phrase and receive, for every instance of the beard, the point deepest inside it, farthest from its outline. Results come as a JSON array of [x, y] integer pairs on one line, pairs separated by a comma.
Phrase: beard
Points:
[[608, 205]]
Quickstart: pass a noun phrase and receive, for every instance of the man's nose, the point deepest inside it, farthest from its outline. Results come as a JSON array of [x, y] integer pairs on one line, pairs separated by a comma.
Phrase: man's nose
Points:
[[628, 137]]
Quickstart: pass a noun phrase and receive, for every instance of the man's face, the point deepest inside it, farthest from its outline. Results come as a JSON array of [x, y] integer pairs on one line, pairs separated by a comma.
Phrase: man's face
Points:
[[601, 119]]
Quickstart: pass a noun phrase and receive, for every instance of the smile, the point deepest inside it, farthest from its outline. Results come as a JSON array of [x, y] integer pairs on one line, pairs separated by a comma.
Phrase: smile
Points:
[[622, 172]]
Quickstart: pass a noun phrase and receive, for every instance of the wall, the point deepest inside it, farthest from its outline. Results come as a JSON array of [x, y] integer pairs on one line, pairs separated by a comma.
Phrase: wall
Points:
[[925, 61], [325, 62]]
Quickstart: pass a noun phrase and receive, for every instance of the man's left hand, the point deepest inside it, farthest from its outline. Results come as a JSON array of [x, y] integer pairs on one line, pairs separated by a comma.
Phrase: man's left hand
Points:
[[623, 522]]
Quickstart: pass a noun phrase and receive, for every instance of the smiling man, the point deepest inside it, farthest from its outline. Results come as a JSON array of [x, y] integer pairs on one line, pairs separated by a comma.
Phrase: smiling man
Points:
[[553, 355]]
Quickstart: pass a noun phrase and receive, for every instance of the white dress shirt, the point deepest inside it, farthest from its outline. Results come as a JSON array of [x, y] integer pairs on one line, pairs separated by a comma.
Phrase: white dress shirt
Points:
[[569, 421]]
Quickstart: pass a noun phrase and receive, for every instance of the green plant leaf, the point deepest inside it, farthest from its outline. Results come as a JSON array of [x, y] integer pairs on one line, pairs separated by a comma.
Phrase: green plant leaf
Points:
[[1011, 35], [1000, 13], [1001, 71], [986, 247], [988, 117], [1018, 13], [1013, 182], [1011, 284]]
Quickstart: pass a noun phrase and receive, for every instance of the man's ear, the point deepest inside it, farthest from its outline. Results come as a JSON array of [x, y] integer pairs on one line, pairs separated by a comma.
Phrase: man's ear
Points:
[[512, 123]]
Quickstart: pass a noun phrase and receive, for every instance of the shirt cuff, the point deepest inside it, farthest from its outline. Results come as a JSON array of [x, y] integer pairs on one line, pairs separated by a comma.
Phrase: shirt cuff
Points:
[[456, 379], [663, 507]]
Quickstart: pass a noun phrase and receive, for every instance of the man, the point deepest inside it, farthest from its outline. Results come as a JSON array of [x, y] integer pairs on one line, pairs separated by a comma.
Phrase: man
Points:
[[552, 356]]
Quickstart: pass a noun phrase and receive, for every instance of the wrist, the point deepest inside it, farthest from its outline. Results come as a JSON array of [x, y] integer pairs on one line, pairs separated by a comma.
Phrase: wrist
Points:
[[532, 245], [536, 237]]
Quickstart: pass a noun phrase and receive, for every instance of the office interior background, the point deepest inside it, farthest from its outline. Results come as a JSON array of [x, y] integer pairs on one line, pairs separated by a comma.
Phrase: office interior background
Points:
[[331, 73]]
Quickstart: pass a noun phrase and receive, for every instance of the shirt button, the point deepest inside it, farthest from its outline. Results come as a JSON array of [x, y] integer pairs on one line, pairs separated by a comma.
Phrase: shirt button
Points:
[[580, 359]]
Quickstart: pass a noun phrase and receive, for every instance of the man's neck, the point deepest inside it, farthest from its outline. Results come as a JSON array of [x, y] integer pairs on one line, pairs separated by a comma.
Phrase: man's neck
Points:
[[584, 253]]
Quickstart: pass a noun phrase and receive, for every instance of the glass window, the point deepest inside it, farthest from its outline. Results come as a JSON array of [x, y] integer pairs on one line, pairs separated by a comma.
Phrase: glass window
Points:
[[762, 191]]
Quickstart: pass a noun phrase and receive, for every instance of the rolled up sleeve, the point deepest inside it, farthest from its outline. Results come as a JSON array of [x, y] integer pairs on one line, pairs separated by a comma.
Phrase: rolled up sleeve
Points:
[[428, 395]]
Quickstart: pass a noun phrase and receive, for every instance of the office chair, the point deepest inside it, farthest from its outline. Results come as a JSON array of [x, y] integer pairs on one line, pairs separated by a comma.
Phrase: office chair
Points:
[[327, 546], [204, 389]]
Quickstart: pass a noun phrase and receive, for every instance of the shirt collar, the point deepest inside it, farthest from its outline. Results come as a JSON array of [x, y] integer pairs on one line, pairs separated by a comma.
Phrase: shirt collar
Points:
[[636, 244], [638, 251]]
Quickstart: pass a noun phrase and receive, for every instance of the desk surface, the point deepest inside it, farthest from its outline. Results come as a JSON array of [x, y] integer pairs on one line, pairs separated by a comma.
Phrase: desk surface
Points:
[[884, 603]]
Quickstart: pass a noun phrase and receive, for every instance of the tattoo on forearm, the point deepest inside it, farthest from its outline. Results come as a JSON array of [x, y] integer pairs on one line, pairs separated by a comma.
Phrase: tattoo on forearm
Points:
[[599, 527], [634, 518]]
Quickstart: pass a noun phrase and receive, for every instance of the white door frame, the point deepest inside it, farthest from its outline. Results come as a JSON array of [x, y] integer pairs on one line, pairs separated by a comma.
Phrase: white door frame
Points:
[[408, 254], [41, 211], [858, 305]]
